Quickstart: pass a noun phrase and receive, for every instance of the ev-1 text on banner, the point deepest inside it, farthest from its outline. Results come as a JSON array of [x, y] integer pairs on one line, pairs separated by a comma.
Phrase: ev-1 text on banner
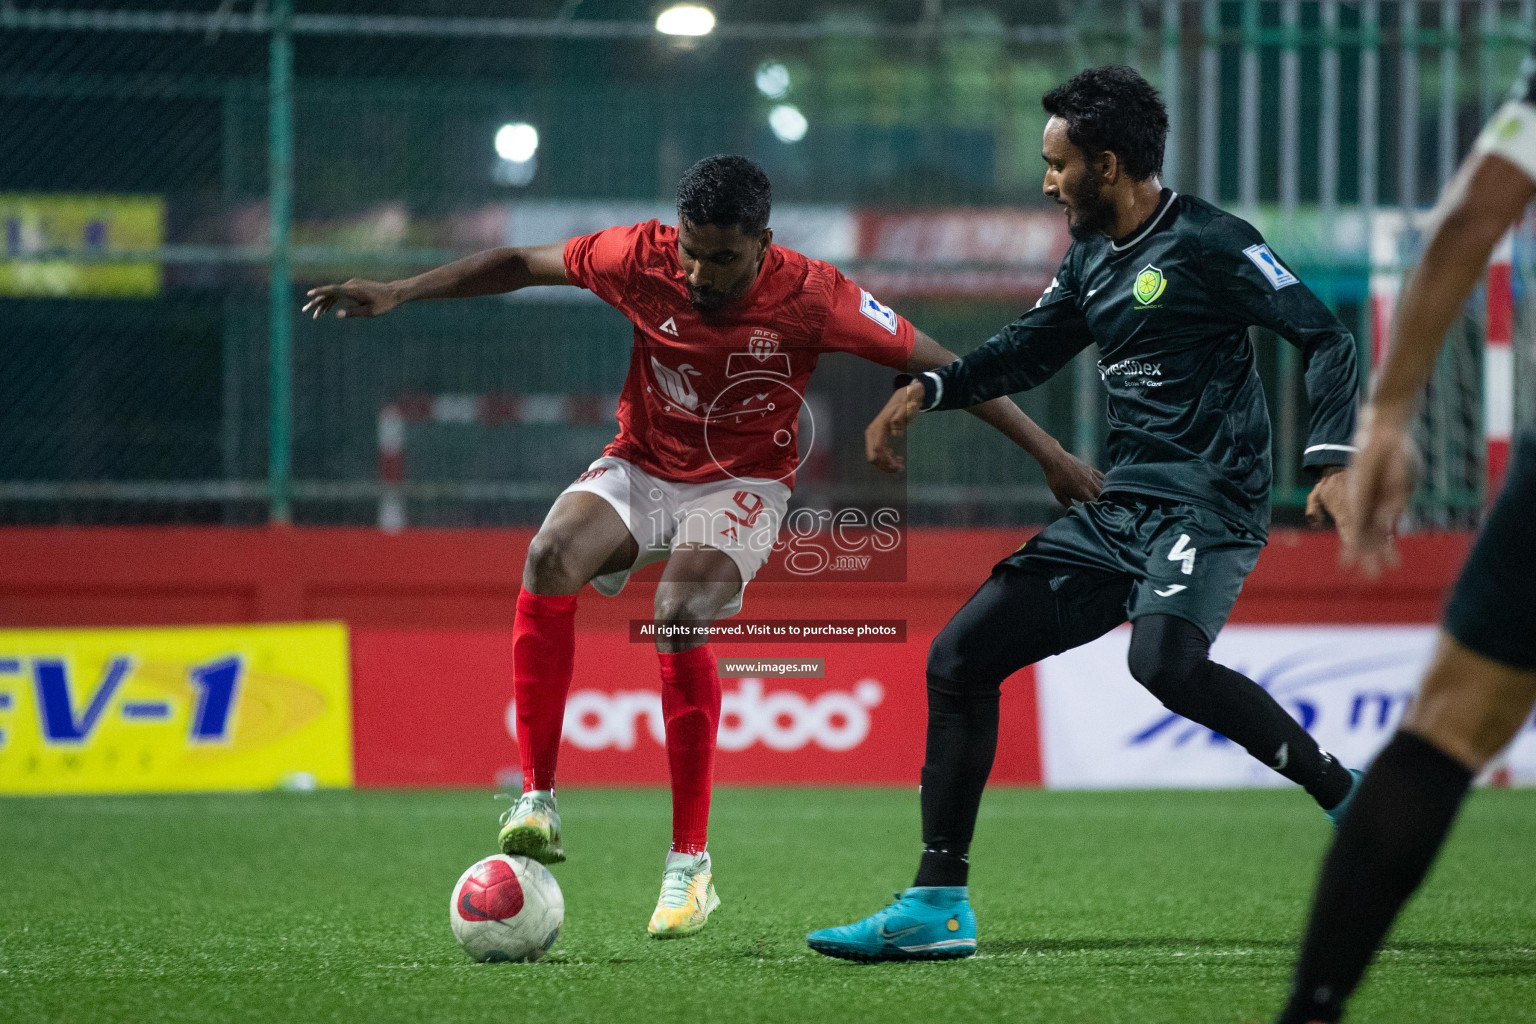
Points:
[[144, 710]]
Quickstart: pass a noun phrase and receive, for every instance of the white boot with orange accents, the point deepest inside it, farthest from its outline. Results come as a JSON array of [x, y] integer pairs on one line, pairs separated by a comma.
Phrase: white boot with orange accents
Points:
[[687, 896]]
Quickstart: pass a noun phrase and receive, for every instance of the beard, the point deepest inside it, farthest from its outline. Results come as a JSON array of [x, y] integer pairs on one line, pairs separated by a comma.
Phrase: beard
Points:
[[713, 300], [709, 300], [1090, 213]]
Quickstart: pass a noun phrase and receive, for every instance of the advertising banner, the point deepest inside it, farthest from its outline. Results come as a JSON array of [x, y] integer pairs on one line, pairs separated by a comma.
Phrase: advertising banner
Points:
[[161, 710], [820, 231], [54, 232], [436, 708], [1002, 252], [1348, 685]]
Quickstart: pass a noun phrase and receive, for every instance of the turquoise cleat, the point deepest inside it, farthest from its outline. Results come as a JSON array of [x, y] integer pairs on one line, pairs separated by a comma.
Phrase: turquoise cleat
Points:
[[1336, 814], [926, 923]]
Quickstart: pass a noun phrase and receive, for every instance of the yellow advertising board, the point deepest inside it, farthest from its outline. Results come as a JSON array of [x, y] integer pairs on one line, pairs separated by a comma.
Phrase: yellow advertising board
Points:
[[80, 246], [164, 710]]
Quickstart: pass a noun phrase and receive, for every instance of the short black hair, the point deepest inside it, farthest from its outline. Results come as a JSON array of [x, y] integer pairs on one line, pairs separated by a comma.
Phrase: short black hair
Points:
[[729, 191], [1113, 109]]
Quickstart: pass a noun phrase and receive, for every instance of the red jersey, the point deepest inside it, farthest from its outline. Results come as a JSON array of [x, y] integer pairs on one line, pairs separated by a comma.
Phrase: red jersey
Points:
[[711, 396]]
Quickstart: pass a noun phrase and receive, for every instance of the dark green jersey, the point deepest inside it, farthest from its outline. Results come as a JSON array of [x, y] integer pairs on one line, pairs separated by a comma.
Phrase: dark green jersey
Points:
[[1169, 309]]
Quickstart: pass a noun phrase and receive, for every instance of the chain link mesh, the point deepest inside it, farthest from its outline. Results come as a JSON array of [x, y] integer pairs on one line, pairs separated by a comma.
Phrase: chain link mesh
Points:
[[134, 189]]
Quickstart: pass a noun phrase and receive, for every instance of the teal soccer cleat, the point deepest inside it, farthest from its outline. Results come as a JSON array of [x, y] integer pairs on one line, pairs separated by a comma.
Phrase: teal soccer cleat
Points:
[[927, 923], [1336, 813]]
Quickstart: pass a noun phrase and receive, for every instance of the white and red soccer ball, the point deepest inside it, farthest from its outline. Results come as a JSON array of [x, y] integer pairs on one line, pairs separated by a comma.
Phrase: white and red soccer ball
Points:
[[506, 908]]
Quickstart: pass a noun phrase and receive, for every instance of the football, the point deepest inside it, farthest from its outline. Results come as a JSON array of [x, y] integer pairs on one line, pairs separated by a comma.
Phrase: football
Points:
[[506, 909]]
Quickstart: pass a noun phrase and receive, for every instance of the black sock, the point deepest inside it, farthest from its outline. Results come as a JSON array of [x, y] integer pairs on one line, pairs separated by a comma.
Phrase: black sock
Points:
[[962, 740], [1384, 848], [943, 867], [1170, 657], [1244, 712]]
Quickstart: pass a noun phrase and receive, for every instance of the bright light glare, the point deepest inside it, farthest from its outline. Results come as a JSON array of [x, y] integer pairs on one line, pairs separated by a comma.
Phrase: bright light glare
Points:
[[517, 142], [787, 123], [773, 80], [686, 20]]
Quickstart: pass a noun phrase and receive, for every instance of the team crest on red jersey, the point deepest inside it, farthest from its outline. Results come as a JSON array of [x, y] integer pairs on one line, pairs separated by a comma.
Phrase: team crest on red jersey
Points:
[[761, 358], [764, 343]]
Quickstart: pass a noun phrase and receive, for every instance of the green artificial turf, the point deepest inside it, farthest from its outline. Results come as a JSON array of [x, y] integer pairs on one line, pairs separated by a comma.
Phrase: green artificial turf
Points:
[[1093, 907]]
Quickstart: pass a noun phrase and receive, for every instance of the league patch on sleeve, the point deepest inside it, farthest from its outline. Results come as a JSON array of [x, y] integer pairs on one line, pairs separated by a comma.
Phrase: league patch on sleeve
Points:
[[877, 311], [1511, 134], [1271, 268]]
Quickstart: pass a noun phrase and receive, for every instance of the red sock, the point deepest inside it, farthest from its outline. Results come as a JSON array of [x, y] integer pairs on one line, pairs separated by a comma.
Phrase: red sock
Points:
[[690, 705], [543, 647]]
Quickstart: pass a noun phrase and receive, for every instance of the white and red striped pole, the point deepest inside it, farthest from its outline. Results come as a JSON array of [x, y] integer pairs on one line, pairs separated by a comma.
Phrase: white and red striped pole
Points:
[[391, 468], [1385, 283], [487, 410], [1499, 365]]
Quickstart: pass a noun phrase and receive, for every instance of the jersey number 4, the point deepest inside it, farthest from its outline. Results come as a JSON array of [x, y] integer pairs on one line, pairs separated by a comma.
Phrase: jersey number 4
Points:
[[1182, 552]]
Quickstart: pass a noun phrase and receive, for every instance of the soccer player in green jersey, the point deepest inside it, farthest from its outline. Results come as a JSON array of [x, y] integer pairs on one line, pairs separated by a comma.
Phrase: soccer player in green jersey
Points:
[[1166, 286]]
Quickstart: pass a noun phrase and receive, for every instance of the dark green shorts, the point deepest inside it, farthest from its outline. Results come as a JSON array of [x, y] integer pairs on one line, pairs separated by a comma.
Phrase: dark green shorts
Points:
[[1493, 607], [1177, 559]]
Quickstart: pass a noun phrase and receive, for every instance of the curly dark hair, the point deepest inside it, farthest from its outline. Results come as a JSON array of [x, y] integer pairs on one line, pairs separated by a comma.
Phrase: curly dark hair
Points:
[[1113, 109], [729, 191]]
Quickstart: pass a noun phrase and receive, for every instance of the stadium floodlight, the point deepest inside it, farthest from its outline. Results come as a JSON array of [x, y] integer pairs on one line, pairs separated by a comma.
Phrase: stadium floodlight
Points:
[[772, 79], [787, 122], [517, 142], [686, 20]]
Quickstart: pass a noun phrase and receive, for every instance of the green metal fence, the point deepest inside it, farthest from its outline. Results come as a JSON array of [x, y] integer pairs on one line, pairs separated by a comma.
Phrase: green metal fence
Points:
[[173, 175]]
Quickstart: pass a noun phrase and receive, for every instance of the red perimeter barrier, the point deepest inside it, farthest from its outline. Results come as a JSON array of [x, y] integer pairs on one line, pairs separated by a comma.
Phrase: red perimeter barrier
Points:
[[430, 613]]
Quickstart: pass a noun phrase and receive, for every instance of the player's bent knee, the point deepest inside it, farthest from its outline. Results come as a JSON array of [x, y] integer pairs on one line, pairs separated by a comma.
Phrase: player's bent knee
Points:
[[686, 612], [1170, 657], [943, 657], [950, 671], [685, 608], [1161, 671], [1171, 678], [954, 677], [964, 651], [548, 569]]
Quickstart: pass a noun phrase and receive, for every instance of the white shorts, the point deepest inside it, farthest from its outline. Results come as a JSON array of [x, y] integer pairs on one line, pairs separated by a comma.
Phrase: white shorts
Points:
[[740, 517]]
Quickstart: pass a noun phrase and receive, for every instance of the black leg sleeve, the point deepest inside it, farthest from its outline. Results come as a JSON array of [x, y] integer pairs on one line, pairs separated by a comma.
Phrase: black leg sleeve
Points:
[[1385, 846], [1170, 657], [1011, 621], [962, 740]]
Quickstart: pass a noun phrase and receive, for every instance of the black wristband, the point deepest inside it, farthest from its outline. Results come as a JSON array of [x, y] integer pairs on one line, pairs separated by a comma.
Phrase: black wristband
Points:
[[929, 388], [930, 391]]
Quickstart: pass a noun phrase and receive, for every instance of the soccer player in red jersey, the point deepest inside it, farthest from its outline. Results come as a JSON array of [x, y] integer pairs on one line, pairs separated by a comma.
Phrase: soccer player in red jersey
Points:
[[728, 329]]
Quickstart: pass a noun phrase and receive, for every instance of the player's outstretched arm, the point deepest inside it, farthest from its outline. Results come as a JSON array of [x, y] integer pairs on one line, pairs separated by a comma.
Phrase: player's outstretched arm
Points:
[[1487, 196], [1069, 478], [485, 273]]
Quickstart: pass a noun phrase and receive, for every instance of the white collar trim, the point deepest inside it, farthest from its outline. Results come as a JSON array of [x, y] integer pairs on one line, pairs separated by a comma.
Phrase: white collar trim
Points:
[[1157, 217]]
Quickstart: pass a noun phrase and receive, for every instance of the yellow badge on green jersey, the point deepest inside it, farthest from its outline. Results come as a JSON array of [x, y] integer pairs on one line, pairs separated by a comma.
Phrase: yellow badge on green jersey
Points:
[[1149, 285]]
